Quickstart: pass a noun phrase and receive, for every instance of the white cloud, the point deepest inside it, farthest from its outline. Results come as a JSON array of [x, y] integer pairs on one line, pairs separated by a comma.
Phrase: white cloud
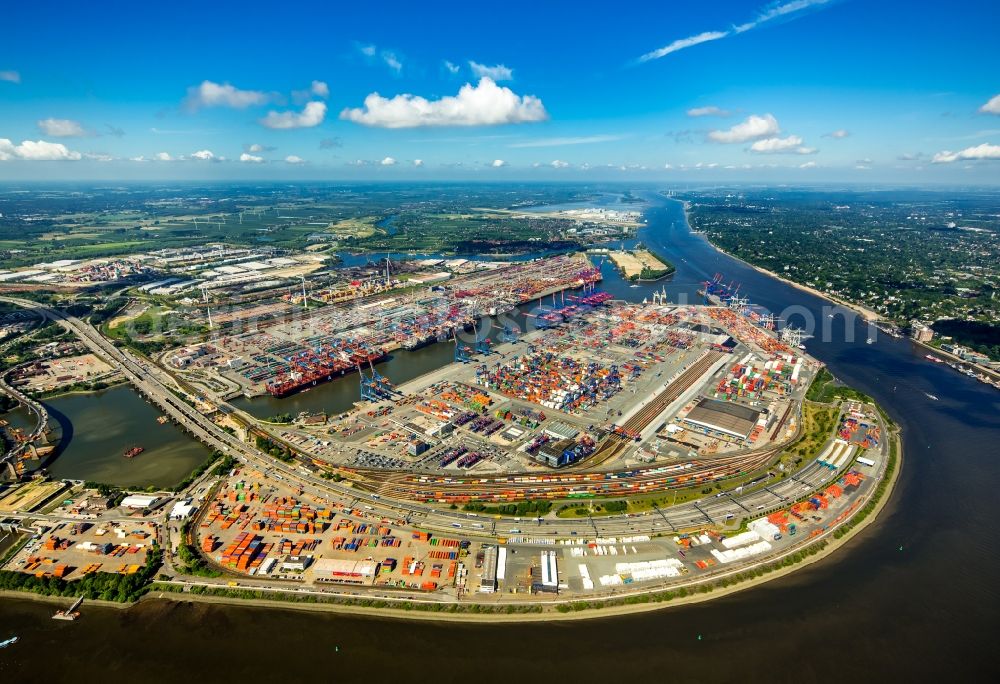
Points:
[[485, 104], [775, 10], [808, 165], [293, 159], [251, 159], [210, 94], [388, 161], [771, 11], [316, 89], [36, 150], [498, 72], [312, 115], [388, 57], [418, 162], [140, 158], [497, 163], [668, 166], [392, 61], [790, 145], [754, 127], [558, 142], [708, 111], [163, 156], [991, 107], [320, 89], [838, 134], [97, 156], [204, 155], [62, 128], [10, 76], [984, 151], [559, 164], [257, 148], [682, 43], [451, 67]]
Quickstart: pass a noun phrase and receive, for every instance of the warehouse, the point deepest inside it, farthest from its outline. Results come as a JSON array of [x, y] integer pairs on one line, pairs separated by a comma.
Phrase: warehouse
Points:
[[183, 510], [345, 571], [488, 579], [724, 416], [137, 501]]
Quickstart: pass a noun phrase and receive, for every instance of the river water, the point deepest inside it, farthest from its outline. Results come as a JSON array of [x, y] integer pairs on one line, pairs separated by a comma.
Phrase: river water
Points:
[[94, 429], [914, 596]]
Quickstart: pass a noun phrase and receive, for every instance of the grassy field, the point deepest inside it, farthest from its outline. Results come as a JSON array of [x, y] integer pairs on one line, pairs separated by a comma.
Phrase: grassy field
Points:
[[358, 228]]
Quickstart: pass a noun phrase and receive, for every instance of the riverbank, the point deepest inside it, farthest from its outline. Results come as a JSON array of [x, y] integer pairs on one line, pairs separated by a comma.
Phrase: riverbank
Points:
[[698, 591], [817, 549], [867, 313], [57, 394], [995, 375]]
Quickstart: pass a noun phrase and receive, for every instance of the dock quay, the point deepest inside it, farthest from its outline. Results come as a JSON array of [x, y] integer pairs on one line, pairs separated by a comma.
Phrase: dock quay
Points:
[[70, 613]]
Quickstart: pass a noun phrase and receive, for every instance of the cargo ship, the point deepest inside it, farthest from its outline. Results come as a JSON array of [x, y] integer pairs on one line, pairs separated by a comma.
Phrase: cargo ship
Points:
[[134, 451], [314, 369], [717, 292], [419, 341]]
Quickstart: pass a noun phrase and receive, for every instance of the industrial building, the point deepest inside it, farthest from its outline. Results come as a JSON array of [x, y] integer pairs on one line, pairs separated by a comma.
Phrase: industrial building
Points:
[[344, 571], [139, 501], [488, 579], [183, 510], [545, 577], [726, 417], [558, 453]]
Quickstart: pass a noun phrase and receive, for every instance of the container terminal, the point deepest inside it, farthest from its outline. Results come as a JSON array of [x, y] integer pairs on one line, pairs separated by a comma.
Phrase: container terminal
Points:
[[685, 416]]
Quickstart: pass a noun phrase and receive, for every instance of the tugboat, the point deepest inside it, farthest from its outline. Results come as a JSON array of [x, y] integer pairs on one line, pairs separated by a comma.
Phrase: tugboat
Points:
[[134, 451]]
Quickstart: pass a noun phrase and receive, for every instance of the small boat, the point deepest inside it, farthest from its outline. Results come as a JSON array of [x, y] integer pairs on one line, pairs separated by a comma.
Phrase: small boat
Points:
[[134, 451], [933, 358], [162, 420], [931, 396], [8, 642], [869, 341]]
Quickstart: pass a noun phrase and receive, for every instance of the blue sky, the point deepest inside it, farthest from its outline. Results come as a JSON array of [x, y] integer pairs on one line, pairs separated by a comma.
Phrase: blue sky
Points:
[[794, 90]]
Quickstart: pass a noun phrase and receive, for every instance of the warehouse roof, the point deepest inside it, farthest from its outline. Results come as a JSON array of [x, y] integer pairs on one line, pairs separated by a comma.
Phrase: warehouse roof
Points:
[[724, 416], [139, 501]]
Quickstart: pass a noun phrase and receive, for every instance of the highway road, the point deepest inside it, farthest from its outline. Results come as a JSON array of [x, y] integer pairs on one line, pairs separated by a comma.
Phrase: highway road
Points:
[[714, 509]]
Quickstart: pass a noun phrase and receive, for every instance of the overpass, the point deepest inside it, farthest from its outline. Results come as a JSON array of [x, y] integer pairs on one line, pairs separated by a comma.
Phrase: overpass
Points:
[[152, 381]]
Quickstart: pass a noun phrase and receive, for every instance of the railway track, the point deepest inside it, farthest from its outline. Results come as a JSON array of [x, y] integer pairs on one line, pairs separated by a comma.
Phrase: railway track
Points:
[[580, 481], [510, 488], [641, 420]]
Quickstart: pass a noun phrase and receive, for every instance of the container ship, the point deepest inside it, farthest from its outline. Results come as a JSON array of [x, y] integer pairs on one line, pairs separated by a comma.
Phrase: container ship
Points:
[[311, 368], [717, 291]]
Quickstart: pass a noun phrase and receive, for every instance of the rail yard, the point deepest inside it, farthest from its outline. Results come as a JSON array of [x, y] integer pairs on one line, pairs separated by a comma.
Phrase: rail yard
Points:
[[576, 445]]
